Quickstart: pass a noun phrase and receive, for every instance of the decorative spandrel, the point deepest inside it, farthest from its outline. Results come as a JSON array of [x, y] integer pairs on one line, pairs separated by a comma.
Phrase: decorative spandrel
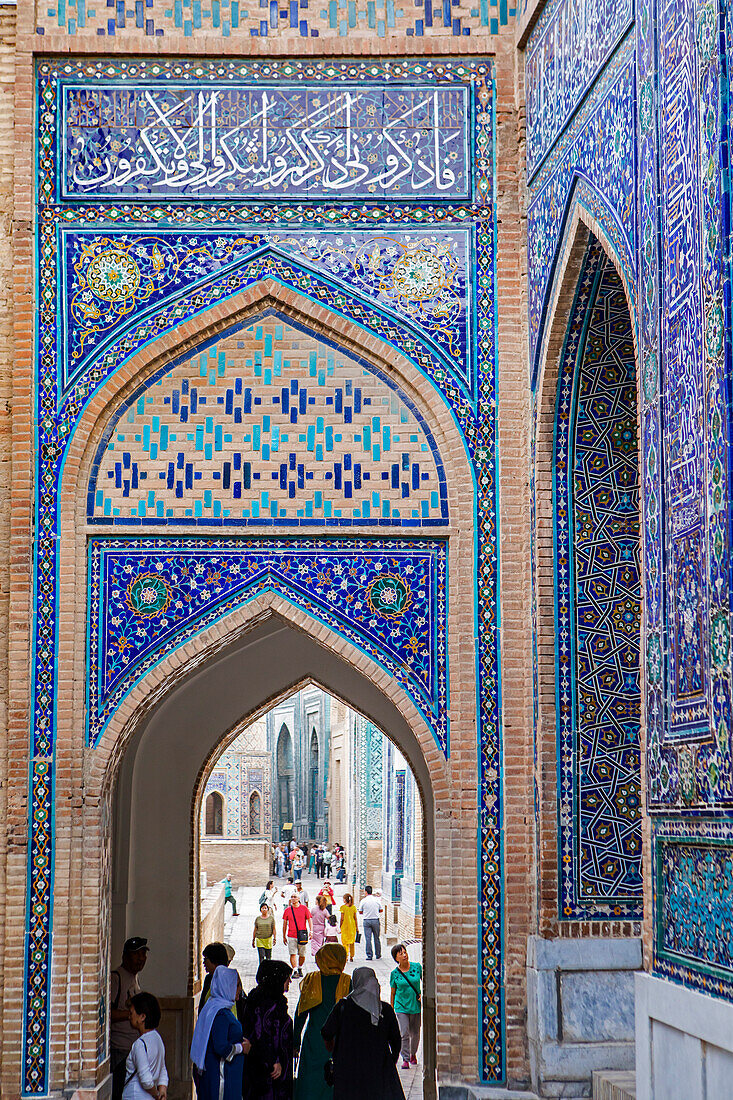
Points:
[[149, 596], [283, 141], [111, 277]]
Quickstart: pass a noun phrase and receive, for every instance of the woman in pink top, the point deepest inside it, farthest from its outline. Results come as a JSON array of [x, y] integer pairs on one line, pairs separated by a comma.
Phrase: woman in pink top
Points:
[[319, 915]]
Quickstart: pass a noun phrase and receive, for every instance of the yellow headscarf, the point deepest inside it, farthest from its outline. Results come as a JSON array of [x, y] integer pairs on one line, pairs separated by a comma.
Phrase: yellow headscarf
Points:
[[330, 960]]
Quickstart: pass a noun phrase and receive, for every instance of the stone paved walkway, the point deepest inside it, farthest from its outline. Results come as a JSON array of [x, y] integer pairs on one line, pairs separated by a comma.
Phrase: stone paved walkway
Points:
[[238, 933]]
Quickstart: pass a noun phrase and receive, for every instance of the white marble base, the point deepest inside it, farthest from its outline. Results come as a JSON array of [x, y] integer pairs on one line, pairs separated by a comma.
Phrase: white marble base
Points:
[[684, 1043], [580, 1011]]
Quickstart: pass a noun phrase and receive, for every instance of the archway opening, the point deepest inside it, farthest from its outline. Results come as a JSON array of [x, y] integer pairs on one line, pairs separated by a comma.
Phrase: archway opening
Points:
[[313, 775], [372, 836], [284, 756], [237, 692]]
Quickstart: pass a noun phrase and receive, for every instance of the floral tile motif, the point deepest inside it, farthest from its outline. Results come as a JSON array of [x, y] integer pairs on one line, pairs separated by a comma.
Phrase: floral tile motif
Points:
[[110, 277], [147, 596]]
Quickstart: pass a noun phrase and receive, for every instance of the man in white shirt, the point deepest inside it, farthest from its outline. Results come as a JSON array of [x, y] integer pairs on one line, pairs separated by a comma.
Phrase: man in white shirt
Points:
[[123, 987], [371, 910]]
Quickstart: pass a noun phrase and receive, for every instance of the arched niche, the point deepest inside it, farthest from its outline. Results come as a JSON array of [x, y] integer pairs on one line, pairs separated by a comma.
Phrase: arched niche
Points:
[[284, 777], [255, 814], [105, 767], [570, 402], [214, 811], [155, 808]]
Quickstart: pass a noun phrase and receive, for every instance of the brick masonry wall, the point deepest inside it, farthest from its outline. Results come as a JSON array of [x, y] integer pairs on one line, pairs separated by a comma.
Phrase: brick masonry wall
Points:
[[8, 839], [82, 780], [514, 504], [247, 861]]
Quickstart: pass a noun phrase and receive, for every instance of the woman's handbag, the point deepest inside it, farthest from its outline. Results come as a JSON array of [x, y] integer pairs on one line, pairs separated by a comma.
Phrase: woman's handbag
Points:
[[328, 1073], [358, 937]]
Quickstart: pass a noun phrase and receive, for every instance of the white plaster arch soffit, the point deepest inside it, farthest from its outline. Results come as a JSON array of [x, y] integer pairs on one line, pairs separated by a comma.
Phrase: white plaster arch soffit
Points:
[[347, 666]]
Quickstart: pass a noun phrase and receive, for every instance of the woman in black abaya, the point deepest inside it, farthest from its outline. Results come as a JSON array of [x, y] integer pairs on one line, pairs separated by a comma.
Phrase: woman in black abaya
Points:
[[364, 1037]]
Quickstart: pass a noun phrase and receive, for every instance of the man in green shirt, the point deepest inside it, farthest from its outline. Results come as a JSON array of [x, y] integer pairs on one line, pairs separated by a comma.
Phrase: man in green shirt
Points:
[[406, 1000]]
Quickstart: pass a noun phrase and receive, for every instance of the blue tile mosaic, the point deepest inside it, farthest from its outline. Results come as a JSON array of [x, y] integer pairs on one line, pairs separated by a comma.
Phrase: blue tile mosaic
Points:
[[110, 277], [62, 393], [146, 597], [172, 141], [645, 153], [597, 602]]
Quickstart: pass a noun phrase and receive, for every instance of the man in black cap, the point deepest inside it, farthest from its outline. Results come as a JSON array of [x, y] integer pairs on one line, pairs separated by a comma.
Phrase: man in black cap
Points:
[[123, 987]]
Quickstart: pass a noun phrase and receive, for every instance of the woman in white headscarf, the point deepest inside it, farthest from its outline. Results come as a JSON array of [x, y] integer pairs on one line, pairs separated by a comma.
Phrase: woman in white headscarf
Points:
[[218, 1045], [364, 1037]]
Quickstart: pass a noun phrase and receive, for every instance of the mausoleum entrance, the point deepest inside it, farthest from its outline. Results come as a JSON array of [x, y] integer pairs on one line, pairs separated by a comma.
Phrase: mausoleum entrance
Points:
[[269, 460], [156, 810]]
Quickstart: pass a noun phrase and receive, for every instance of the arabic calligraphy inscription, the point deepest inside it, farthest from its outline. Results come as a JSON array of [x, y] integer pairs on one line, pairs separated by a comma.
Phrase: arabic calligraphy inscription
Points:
[[299, 141]]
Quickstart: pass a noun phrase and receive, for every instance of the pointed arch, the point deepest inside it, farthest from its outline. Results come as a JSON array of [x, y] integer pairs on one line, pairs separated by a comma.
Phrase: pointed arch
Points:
[[214, 814], [573, 297], [102, 766], [254, 816], [219, 689], [586, 211], [411, 373]]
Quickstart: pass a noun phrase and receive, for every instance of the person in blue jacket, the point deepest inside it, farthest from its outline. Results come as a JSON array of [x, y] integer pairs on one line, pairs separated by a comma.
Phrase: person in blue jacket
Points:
[[218, 1046]]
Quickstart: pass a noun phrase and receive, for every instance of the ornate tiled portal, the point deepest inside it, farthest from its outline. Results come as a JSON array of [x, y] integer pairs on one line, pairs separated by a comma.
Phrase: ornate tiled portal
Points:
[[164, 190]]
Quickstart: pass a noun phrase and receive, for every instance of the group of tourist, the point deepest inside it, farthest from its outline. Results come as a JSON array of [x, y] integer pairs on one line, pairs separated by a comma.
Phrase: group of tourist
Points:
[[292, 860], [320, 925], [343, 1044]]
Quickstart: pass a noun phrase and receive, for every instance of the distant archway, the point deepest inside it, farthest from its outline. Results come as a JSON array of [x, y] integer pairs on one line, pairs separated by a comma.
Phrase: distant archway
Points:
[[255, 814], [313, 767], [284, 779], [214, 814]]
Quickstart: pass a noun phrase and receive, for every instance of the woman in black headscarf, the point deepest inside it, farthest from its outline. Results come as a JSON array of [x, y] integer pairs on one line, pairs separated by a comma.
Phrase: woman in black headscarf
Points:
[[268, 1067], [364, 1036]]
